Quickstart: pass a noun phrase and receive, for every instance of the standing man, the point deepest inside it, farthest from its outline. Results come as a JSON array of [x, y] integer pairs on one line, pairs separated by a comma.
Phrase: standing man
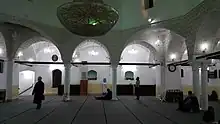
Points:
[[137, 88], [38, 92]]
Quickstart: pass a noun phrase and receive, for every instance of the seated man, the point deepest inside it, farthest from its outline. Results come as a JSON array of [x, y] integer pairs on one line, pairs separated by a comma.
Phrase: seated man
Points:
[[213, 96], [209, 115], [107, 96], [189, 104]]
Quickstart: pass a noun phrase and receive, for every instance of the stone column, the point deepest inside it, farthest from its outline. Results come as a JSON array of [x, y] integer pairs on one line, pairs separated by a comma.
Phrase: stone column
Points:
[[66, 96], [9, 79], [196, 84], [204, 85], [114, 82], [163, 77]]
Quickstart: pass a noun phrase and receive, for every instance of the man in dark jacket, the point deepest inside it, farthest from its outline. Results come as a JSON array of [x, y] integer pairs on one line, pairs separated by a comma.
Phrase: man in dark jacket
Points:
[[38, 92], [107, 96], [190, 103]]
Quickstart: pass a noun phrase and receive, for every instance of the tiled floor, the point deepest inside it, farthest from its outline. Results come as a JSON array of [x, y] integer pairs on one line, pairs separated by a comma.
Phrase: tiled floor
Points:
[[85, 110]]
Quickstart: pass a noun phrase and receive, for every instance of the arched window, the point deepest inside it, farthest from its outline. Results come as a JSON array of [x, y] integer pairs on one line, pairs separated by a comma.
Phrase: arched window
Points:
[[92, 75], [129, 75]]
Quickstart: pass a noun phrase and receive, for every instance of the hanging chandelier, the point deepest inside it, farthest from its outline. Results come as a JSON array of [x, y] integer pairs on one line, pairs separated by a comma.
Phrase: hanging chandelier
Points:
[[87, 17]]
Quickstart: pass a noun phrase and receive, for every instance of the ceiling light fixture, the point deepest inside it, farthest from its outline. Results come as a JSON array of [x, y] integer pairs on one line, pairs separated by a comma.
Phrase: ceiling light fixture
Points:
[[30, 60], [47, 50], [157, 42], [76, 60], [20, 54], [87, 17], [133, 51], [93, 53], [173, 57], [204, 47]]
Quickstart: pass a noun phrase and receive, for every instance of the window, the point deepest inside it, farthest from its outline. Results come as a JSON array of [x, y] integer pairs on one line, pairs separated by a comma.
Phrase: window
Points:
[[92, 75], [129, 75]]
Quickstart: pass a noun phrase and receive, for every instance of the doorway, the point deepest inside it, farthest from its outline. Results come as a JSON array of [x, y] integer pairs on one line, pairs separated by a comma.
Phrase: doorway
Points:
[[26, 82], [57, 78]]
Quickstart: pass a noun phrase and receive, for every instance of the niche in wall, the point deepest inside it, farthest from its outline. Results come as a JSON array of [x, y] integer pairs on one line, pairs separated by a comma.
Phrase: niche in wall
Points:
[[129, 75], [1, 66], [57, 78], [92, 75], [182, 73]]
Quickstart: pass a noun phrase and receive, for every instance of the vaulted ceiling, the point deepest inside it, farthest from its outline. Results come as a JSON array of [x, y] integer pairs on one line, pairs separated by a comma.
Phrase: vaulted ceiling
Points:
[[130, 11]]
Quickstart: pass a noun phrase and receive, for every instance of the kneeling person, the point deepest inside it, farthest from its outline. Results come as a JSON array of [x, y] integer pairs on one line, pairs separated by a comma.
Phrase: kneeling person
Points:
[[107, 96]]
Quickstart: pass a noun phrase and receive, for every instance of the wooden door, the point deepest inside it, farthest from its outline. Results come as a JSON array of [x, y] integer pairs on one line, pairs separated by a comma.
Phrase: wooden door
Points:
[[57, 78]]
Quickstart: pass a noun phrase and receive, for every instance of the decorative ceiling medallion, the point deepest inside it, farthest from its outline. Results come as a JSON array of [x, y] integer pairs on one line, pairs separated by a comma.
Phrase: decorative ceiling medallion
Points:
[[87, 17]]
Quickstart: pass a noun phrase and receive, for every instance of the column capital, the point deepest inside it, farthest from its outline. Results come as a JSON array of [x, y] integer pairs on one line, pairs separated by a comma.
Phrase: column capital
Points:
[[114, 65], [67, 65]]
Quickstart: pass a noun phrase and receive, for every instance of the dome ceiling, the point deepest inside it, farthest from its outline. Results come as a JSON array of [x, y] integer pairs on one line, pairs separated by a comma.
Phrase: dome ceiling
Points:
[[130, 11]]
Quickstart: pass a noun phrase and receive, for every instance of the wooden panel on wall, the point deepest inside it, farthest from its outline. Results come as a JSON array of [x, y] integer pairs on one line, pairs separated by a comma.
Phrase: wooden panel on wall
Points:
[[83, 87], [145, 90], [74, 90]]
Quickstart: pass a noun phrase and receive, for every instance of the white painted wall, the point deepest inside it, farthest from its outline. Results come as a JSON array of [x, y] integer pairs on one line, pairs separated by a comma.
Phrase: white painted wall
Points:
[[173, 79], [3, 77], [187, 79]]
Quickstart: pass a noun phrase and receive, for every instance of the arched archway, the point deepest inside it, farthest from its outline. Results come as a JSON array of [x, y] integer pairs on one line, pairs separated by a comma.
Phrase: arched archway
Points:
[[40, 50], [91, 51], [56, 78], [164, 46]]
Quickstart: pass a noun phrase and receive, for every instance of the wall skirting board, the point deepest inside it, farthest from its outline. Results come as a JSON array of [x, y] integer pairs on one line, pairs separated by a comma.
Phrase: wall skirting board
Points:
[[145, 90]]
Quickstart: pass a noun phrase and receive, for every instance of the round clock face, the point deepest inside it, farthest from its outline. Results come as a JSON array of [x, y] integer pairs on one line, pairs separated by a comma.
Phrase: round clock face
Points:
[[172, 68], [54, 58]]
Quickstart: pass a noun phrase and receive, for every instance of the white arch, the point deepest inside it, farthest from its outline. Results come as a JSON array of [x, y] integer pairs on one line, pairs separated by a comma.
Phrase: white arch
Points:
[[91, 43], [36, 45], [149, 37]]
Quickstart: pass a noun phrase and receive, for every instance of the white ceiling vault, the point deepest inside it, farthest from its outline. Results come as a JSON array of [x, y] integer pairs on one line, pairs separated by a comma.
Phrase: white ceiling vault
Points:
[[130, 11], [181, 30]]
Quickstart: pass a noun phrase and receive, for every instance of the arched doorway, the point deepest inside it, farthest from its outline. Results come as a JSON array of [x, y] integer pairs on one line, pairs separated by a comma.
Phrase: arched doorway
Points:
[[56, 78], [26, 82]]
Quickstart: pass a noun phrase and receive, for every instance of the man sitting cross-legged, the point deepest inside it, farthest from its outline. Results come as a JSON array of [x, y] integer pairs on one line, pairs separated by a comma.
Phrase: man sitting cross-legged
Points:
[[189, 104], [107, 96]]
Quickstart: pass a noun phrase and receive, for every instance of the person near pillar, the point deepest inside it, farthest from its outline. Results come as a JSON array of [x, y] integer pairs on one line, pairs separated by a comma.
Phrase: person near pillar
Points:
[[38, 92], [107, 96], [137, 88]]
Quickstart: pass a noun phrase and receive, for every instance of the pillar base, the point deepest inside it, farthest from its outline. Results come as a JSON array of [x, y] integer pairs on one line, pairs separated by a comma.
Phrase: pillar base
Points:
[[114, 99], [66, 98]]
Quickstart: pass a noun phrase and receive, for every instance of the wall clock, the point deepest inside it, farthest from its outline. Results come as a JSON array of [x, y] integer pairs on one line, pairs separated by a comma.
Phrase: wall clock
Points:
[[172, 68], [54, 58]]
